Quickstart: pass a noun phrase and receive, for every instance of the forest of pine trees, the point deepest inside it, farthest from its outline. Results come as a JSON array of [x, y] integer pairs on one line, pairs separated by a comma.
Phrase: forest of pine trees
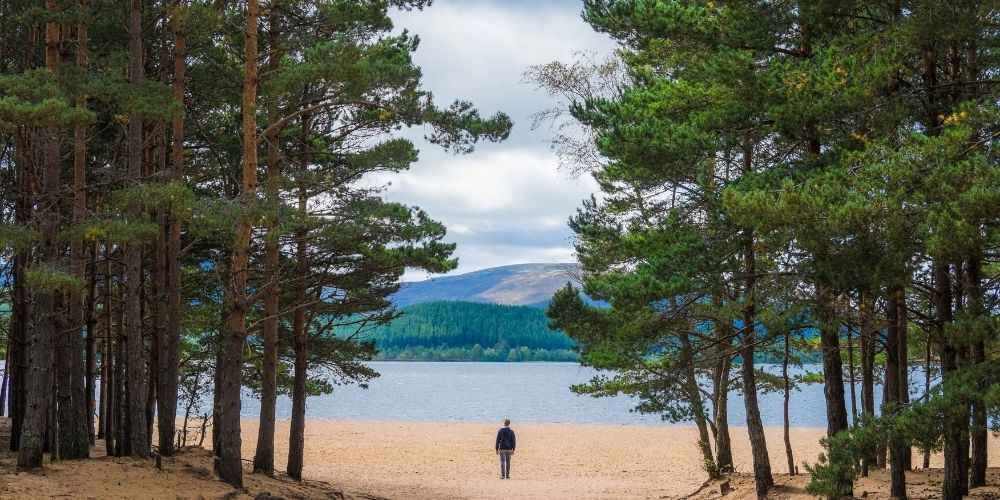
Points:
[[773, 169], [181, 205], [469, 331]]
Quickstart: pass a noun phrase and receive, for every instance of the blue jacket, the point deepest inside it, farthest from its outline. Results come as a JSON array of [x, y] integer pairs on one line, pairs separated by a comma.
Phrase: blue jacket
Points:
[[505, 439]]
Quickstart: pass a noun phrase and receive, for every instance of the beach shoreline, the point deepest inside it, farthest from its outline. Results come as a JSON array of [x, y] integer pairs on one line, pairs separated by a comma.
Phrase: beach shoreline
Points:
[[361, 460], [457, 460]]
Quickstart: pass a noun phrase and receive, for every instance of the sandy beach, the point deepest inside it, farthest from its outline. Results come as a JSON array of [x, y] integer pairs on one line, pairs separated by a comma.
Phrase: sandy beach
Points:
[[404, 460], [456, 460]]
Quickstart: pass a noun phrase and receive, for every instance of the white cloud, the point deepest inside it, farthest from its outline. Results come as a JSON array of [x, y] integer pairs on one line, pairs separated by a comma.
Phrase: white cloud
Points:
[[505, 203]]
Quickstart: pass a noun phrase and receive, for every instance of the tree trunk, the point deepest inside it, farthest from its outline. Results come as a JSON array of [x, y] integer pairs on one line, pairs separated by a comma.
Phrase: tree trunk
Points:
[[697, 405], [296, 438], [866, 308], [21, 313], [6, 379], [953, 460], [110, 387], [833, 375], [755, 428], [720, 407], [788, 395], [74, 435], [41, 348], [263, 460], [135, 357], [904, 374], [979, 432], [852, 379], [91, 363], [170, 341], [230, 467], [897, 448]]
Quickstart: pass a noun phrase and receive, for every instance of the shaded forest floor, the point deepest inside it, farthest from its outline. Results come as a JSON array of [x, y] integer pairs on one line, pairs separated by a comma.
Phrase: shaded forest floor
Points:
[[188, 475], [920, 484]]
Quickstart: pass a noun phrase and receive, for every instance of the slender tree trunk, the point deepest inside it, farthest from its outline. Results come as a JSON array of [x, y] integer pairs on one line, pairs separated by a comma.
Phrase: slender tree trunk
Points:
[[891, 407], [833, 375], [755, 428], [788, 395], [866, 307], [41, 347], [102, 408], [122, 429], [904, 374], [91, 363], [135, 357], [110, 391], [230, 466], [6, 378], [263, 460], [953, 471], [926, 463], [74, 435], [170, 342], [297, 431], [979, 432], [21, 313], [720, 407], [852, 378], [697, 405]]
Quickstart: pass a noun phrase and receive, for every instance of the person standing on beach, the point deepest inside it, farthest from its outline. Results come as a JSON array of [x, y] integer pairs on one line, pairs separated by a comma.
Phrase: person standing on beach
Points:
[[505, 448]]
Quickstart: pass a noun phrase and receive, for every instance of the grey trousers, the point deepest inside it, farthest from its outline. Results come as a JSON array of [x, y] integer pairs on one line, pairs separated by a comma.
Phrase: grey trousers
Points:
[[505, 462]]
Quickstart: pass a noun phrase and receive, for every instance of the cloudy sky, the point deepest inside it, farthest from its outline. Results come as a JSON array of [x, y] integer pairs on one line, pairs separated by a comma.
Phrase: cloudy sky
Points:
[[505, 203]]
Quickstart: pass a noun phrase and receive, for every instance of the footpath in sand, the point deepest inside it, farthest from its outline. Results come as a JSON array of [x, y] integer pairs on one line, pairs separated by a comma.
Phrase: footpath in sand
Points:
[[404, 460]]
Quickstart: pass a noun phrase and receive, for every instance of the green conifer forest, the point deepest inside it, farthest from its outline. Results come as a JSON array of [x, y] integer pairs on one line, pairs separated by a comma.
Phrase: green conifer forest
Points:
[[181, 204], [468, 331]]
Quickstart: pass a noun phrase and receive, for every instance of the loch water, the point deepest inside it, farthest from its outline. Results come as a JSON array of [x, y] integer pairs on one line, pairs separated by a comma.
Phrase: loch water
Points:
[[527, 392]]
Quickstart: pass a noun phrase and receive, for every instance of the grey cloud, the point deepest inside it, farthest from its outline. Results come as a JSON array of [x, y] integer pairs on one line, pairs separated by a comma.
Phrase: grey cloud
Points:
[[506, 203]]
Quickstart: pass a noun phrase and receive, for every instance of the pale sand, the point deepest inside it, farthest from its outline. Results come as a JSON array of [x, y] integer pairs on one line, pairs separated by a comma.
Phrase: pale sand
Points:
[[456, 460]]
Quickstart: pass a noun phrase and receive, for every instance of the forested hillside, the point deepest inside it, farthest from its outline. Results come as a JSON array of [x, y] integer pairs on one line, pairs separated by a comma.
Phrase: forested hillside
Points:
[[466, 331]]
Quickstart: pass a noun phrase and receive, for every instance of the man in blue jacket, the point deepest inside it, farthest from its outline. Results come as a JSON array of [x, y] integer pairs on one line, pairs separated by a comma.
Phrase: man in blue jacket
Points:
[[506, 443]]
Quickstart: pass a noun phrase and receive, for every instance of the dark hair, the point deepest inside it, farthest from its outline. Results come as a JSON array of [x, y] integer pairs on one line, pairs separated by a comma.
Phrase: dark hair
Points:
[[506, 421]]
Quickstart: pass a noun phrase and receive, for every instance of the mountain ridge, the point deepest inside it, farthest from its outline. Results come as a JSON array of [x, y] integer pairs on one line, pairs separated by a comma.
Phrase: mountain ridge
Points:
[[518, 284]]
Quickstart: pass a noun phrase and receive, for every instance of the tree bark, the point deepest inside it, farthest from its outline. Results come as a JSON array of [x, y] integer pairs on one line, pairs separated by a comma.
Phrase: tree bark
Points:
[[904, 373], [110, 391], [866, 308], [41, 347], [135, 357], [763, 480], [833, 374], [787, 399], [953, 460], [979, 431], [697, 404], [91, 360], [263, 460], [720, 407], [21, 312], [897, 448], [74, 439], [230, 467], [296, 438], [170, 341]]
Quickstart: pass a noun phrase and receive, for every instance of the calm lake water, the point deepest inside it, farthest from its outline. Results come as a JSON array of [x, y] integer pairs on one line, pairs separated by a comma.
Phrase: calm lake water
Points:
[[523, 392]]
